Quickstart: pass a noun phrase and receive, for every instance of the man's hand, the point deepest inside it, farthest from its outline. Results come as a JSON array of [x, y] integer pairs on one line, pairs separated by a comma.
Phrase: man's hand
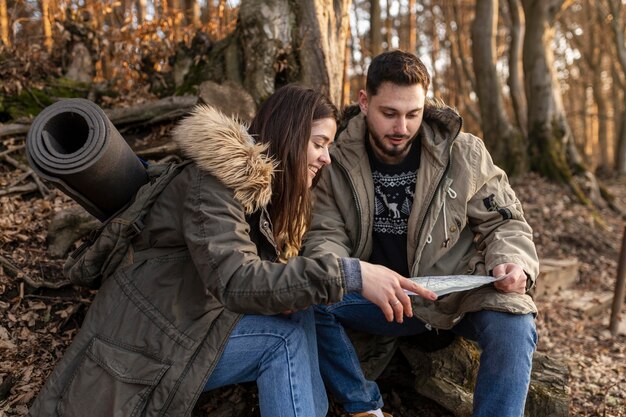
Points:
[[514, 281], [385, 288]]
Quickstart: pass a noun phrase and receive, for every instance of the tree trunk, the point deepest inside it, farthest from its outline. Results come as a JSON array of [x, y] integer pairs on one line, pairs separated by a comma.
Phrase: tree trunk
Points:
[[461, 99], [284, 42], [619, 108], [191, 11], [602, 117], [345, 89], [617, 25], [594, 58], [4, 24], [376, 28], [388, 27], [515, 80], [323, 32], [434, 36], [552, 150], [412, 35], [461, 44], [46, 24], [505, 143], [620, 155], [140, 6], [448, 377]]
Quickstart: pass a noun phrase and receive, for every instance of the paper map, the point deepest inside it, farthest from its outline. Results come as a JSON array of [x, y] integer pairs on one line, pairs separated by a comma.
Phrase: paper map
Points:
[[445, 284]]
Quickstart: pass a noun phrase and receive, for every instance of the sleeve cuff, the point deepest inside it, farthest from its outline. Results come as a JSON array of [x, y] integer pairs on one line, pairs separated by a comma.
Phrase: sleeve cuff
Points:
[[352, 274]]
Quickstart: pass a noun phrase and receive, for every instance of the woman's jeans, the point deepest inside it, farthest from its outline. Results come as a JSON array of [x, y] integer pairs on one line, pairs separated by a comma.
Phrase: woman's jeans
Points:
[[507, 342], [280, 354]]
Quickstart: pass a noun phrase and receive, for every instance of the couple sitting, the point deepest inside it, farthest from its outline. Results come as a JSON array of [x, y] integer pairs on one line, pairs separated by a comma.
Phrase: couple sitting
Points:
[[241, 275]]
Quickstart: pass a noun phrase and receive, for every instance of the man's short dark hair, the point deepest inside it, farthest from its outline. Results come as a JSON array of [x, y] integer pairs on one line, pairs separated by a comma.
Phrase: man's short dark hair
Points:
[[397, 67]]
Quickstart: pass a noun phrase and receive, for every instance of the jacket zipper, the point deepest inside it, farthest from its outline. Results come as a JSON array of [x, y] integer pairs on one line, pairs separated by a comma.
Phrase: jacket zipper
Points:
[[430, 203], [441, 179]]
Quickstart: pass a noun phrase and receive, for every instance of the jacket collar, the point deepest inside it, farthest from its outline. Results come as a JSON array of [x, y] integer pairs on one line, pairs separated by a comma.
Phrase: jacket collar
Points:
[[222, 147]]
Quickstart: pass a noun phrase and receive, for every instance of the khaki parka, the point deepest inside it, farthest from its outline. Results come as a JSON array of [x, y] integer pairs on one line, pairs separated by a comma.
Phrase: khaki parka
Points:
[[156, 328], [465, 217]]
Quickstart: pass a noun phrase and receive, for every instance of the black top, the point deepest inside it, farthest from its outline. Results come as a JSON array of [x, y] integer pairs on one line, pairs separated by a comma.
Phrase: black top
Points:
[[394, 188]]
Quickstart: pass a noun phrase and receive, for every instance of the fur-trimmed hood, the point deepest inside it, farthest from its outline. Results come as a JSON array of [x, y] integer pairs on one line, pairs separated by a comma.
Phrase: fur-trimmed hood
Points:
[[222, 146]]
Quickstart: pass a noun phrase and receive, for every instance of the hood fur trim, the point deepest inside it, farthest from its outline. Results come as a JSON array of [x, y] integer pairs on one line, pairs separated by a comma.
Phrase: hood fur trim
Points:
[[222, 147]]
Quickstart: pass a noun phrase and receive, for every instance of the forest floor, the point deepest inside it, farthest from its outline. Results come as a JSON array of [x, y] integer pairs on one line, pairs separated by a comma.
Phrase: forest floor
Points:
[[37, 324]]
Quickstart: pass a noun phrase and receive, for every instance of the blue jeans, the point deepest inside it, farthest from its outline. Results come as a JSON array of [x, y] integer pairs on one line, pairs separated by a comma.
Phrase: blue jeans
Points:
[[280, 354], [507, 342]]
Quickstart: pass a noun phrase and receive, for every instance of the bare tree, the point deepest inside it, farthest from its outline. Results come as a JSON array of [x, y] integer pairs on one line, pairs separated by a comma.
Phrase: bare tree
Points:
[[46, 24], [141, 11], [412, 35], [552, 150], [516, 79], [4, 23], [458, 41], [505, 142], [376, 28], [345, 89], [596, 61], [191, 11], [435, 50], [388, 26], [616, 20]]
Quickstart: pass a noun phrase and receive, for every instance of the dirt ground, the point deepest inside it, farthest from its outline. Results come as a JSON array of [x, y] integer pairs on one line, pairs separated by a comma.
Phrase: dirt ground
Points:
[[37, 324]]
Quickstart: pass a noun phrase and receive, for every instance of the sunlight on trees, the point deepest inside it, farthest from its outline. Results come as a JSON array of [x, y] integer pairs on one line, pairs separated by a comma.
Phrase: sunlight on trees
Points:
[[134, 45]]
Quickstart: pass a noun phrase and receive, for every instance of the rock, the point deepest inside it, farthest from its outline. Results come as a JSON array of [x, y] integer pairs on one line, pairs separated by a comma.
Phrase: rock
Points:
[[81, 66], [230, 98]]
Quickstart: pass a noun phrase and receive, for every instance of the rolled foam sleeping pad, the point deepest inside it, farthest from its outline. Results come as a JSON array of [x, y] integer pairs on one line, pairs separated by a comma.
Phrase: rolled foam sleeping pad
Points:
[[74, 145]]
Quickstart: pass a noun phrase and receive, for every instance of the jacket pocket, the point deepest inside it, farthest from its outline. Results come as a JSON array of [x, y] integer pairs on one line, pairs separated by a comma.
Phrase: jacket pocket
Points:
[[110, 381]]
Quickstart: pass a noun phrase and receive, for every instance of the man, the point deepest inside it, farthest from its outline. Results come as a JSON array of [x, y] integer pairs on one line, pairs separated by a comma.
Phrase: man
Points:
[[407, 189]]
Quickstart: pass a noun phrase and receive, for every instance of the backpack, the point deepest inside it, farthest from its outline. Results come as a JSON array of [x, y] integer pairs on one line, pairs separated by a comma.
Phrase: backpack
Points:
[[108, 246]]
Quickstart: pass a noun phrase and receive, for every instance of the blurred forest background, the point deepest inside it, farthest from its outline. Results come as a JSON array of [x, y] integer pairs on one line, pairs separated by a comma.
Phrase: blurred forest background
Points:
[[543, 82]]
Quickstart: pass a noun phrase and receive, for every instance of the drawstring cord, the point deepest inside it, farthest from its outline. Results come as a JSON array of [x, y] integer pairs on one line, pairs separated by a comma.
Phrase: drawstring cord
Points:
[[452, 194]]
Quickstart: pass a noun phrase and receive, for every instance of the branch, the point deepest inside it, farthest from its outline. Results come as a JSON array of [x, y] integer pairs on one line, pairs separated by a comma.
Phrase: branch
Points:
[[45, 191], [163, 110], [19, 189]]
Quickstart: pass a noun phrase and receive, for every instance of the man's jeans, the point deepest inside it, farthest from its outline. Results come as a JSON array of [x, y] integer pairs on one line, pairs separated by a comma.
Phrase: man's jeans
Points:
[[507, 342], [280, 354]]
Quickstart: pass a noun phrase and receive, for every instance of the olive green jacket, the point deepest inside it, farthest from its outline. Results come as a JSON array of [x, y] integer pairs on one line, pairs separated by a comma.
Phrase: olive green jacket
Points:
[[465, 217], [157, 327]]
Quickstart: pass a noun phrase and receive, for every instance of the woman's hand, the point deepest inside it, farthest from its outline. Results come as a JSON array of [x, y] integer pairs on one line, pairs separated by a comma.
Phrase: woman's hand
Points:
[[385, 288]]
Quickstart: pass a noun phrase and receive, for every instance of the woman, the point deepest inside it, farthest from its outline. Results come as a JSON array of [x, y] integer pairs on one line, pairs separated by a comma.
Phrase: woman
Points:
[[197, 305]]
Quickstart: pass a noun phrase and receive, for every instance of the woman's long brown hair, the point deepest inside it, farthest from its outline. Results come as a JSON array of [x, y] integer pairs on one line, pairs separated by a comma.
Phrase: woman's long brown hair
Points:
[[284, 121]]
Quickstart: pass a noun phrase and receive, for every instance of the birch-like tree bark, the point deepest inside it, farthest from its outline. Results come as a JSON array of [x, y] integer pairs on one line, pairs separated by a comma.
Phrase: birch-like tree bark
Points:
[[506, 143], [282, 42]]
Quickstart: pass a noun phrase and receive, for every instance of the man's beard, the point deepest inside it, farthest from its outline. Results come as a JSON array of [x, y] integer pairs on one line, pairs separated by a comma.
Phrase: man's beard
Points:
[[391, 150]]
